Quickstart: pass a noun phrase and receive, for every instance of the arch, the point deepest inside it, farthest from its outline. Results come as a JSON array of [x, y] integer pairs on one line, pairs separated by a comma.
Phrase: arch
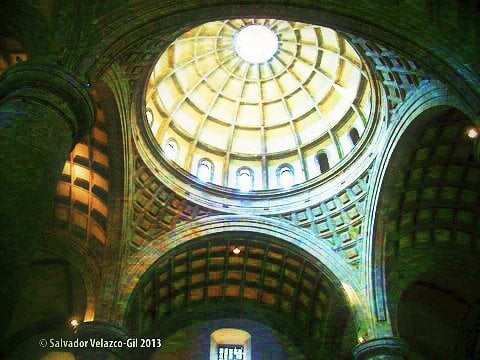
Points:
[[332, 264], [444, 294], [205, 275], [354, 136], [431, 186], [245, 178], [121, 165], [149, 116], [67, 248], [54, 291], [285, 176], [205, 170], [322, 161], [428, 101], [171, 149]]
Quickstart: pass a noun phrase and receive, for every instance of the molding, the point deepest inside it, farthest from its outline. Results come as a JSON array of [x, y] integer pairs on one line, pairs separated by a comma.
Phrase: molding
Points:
[[377, 348], [333, 264], [431, 94], [54, 86]]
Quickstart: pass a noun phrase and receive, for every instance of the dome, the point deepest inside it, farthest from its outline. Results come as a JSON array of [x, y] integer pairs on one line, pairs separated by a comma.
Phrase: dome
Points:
[[258, 104]]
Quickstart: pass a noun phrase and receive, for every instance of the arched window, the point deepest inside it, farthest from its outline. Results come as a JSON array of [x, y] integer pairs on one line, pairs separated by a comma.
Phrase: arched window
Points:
[[149, 116], [322, 159], [285, 176], [245, 179], [354, 136], [205, 170], [171, 149], [230, 344]]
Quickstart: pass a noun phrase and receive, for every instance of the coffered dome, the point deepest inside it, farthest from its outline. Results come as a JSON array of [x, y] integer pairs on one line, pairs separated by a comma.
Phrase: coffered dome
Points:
[[258, 104]]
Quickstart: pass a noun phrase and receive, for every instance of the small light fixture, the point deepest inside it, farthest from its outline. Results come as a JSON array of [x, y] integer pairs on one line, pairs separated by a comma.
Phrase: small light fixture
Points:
[[361, 340], [473, 132], [74, 322], [236, 250]]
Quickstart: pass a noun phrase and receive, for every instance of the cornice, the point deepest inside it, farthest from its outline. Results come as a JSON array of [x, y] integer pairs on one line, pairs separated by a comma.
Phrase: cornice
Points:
[[54, 86]]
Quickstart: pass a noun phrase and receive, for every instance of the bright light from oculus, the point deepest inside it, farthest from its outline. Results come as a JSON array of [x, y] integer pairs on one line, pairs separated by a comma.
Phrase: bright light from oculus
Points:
[[256, 43]]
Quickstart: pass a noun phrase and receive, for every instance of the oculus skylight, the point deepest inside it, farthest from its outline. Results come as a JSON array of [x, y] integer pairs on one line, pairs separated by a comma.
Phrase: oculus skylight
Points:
[[255, 43]]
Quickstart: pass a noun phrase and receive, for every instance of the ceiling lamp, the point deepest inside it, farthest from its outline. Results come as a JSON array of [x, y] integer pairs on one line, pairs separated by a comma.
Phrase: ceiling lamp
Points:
[[74, 322], [473, 132]]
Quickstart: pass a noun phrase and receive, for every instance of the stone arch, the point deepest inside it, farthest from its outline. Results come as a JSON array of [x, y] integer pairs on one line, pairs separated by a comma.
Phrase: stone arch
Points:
[[442, 300], [428, 111], [55, 291], [115, 172], [332, 264], [188, 280], [65, 247]]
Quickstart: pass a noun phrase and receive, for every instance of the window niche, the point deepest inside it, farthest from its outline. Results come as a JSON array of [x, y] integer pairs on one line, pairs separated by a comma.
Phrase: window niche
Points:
[[230, 344], [245, 179], [285, 176], [354, 136], [171, 149], [205, 170], [149, 116], [323, 162]]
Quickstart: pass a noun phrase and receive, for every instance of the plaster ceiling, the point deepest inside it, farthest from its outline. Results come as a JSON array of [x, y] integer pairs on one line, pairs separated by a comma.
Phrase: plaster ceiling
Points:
[[208, 102]]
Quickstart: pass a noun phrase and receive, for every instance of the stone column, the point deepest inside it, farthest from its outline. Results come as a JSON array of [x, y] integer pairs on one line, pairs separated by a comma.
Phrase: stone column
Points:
[[44, 111], [387, 348], [102, 340]]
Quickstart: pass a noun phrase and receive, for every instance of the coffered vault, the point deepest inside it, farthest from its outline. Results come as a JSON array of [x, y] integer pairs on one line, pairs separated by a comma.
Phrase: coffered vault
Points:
[[338, 167]]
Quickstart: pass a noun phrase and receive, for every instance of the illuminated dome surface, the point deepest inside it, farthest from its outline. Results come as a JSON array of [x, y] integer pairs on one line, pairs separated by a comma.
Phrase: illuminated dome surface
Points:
[[258, 104]]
